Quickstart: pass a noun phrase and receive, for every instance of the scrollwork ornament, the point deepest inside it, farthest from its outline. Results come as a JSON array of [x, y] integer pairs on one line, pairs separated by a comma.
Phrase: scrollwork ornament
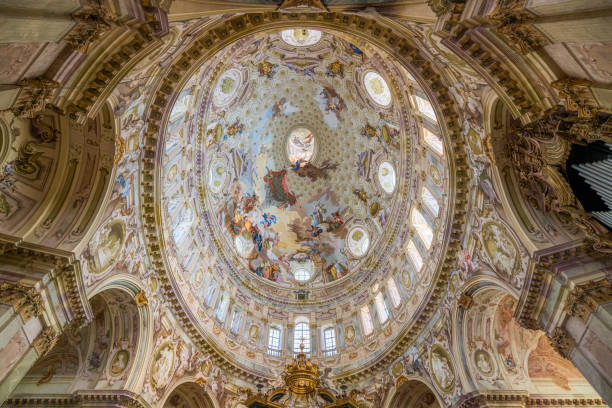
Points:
[[562, 342], [45, 341]]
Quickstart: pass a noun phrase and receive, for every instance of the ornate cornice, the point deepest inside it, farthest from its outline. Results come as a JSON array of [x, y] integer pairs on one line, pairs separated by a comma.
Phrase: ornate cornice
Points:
[[62, 267], [523, 399], [93, 398], [93, 21], [578, 96], [223, 33], [45, 341], [585, 298]]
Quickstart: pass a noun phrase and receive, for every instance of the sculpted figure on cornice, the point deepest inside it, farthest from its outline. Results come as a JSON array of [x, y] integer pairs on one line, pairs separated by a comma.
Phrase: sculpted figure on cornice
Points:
[[539, 153], [515, 23]]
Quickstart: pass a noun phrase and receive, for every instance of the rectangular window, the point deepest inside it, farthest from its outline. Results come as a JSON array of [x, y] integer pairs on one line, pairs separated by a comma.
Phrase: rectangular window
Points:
[[301, 336], [393, 292], [424, 106], [210, 293], [381, 307], [414, 255], [430, 201], [236, 321], [274, 342], [329, 342], [366, 320], [433, 141], [222, 308]]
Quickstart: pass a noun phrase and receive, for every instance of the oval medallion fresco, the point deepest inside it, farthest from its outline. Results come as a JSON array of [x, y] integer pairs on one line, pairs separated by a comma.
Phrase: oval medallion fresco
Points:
[[162, 365], [119, 363], [227, 87], [300, 146], [301, 37], [105, 246], [501, 248], [377, 88], [386, 177], [483, 362], [442, 369]]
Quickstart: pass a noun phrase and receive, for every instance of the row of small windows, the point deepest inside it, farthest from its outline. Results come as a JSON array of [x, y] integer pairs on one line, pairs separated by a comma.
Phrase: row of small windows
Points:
[[301, 333]]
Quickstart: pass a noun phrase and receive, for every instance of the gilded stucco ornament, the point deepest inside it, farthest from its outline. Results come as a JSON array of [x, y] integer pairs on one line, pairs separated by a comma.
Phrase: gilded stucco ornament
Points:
[[584, 299], [25, 300], [539, 152], [516, 24], [35, 93]]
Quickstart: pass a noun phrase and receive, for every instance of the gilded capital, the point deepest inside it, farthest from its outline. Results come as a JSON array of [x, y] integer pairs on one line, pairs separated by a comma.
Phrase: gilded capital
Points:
[[585, 299], [562, 342], [25, 300]]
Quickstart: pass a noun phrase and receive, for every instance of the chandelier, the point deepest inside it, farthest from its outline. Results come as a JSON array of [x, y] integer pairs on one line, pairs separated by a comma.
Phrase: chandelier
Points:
[[303, 388]]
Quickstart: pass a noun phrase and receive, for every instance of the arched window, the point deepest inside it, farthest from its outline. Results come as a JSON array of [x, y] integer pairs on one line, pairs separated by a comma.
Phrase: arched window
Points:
[[433, 141], [236, 321], [222, 307], [424, 106], [381, 307], [301, 335], [393, 292], [414, 255], [274, 341], [366, 320], [430, 201], [422, 227], [329, 341]]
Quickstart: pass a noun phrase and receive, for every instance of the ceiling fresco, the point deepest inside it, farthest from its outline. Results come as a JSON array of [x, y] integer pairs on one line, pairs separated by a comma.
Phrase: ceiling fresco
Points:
[[286, 173]]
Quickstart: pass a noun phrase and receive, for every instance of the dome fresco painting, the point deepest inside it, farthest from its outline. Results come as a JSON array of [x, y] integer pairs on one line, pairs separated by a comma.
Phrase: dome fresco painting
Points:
[[304, 203]]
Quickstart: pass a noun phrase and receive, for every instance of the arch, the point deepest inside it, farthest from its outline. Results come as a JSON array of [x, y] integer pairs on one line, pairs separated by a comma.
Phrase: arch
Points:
[[414, 392], [188, 394], [493, 348], [132, 287], [102, 354], [60, 174]]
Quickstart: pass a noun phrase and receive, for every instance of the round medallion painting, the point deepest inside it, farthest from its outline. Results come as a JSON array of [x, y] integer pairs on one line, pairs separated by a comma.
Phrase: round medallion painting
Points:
[[377, 88], [162, 365], [226, 88], [501, 248], [301, 37], [441, 368]]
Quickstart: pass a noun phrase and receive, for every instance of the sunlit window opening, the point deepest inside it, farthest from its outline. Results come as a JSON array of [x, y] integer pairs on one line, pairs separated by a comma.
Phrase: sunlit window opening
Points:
[[236, 321], [366, 320], [329, 341], [424, 106], [414, 255], [222, 307], [301, 335], [274, 341], [433, 141], [210, 293], [393, 292], [381, 307], [422, 227], [430, 201]]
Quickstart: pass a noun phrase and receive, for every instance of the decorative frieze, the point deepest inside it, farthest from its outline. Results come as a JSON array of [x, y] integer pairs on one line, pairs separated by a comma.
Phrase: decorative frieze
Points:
[[578, 96], [25, 299], [584, 299]]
